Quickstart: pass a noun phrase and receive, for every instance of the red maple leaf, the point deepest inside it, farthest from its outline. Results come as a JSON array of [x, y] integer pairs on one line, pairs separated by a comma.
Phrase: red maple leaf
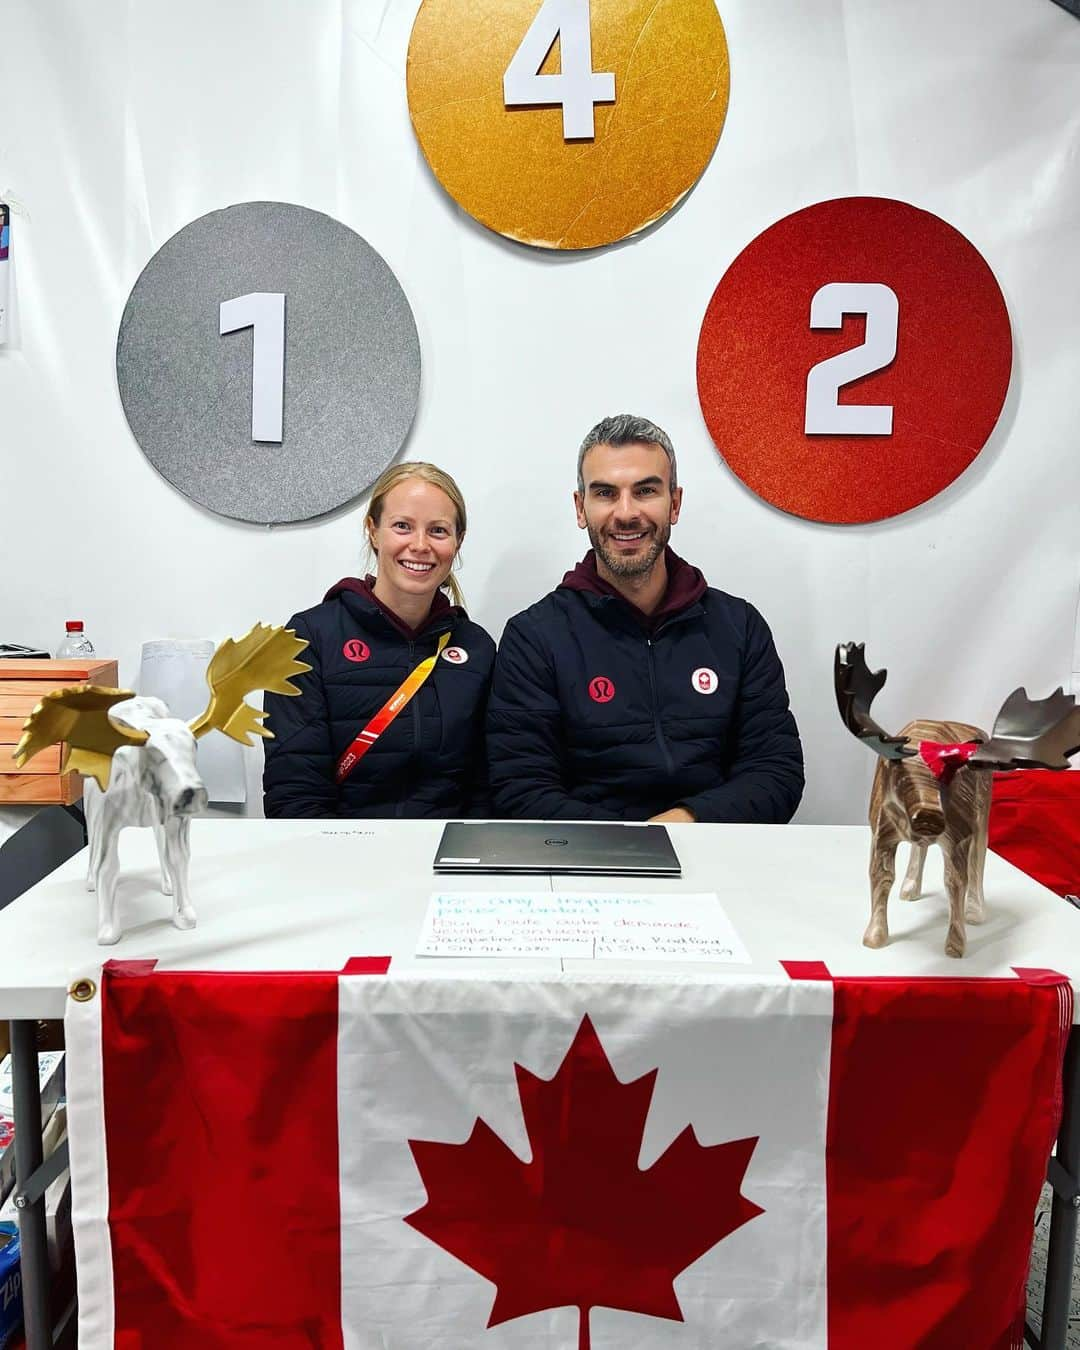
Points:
[[581, 1225]]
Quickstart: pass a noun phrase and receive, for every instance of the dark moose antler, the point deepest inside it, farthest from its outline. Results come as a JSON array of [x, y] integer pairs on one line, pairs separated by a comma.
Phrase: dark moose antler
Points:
[[1028, 733], [1039, 733], [856, 684]]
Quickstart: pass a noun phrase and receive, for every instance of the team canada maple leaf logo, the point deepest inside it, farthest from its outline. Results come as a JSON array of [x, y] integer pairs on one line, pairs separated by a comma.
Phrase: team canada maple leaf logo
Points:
[[580, 1224]]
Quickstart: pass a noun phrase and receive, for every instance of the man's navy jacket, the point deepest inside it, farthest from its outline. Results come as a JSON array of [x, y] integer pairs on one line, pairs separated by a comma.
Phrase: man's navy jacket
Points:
[[598, 712]]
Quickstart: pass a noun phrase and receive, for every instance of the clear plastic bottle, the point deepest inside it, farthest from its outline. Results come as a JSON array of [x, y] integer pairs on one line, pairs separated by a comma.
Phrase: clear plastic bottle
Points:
[[76, 643]]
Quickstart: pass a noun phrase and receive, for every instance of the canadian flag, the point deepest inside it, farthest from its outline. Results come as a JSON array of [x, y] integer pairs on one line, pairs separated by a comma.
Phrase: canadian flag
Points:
[[356, 1160]]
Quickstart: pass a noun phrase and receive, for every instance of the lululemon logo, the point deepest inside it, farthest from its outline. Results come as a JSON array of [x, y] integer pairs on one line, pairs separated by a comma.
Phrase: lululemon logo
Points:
[[704, 680], [601, 689], [457, 656], [355, 650]]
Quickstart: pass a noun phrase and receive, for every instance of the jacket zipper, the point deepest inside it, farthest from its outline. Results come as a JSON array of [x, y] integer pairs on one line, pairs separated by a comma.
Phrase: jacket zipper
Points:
[[415, 710], [661, 742]]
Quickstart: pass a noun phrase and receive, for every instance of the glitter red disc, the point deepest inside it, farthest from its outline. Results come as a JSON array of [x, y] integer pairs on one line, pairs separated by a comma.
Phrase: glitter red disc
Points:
[[945, 385]]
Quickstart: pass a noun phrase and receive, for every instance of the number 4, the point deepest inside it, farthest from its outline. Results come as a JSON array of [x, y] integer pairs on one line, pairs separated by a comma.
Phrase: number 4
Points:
[[578, 87]]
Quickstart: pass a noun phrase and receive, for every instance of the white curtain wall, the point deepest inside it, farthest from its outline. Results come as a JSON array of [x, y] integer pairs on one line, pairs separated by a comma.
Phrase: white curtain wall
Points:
[[121, 122]]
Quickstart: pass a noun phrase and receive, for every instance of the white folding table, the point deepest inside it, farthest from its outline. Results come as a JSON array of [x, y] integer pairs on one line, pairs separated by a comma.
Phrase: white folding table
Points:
[[308, 895]]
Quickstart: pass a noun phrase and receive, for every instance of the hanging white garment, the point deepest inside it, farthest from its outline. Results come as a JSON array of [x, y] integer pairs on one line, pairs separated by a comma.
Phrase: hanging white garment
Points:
[[174, 670]]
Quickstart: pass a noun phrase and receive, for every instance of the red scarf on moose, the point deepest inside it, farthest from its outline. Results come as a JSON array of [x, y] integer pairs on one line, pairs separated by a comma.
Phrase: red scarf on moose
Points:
[[944, 760]]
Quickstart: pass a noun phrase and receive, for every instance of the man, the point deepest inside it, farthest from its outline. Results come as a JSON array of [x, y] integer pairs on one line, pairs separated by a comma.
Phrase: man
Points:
[[634, 691]]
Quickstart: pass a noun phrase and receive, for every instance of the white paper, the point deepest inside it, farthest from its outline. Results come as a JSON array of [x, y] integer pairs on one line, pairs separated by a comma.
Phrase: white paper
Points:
[[608, 926], [5, 274]]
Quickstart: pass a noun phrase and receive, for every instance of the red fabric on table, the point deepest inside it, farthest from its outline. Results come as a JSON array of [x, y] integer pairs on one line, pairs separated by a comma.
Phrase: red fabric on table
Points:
[[1035, 825], [932, 1191], [199, 1076]]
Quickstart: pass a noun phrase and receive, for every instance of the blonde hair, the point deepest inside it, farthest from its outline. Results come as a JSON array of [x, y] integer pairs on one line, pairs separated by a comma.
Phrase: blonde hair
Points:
[[428, 473]]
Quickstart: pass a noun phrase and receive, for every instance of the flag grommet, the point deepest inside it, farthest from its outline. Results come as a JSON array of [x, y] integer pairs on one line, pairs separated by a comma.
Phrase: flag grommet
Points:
[[82, 991]]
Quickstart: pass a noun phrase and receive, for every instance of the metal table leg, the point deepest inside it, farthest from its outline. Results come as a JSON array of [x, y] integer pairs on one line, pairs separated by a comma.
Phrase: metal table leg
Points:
[[33, 1244], [1064, 1176]]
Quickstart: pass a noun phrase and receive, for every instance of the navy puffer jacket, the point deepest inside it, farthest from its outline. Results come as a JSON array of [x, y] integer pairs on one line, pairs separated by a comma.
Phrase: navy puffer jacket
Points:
[[428, 762], [598, 714]]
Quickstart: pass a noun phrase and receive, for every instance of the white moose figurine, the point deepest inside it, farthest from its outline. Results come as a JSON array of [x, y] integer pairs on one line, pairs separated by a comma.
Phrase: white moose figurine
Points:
[[140, 761]]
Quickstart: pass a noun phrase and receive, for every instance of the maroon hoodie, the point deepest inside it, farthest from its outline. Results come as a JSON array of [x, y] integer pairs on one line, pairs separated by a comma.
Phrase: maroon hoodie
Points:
[[685, 587], [440, 603]]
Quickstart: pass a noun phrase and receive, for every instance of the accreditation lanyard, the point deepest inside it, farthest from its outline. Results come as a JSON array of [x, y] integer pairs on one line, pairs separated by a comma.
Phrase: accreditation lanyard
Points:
[[389, 710]]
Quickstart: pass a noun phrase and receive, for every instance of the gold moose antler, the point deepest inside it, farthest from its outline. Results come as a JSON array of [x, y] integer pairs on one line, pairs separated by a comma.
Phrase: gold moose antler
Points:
[[79, 718], [265, 658]]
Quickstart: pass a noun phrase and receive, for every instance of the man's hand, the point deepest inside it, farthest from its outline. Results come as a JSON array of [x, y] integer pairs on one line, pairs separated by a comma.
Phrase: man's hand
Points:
[[678, 815]]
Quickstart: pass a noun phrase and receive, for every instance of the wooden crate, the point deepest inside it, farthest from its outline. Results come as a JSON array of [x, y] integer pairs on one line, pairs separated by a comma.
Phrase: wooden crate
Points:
[[39, 782], [17, 705], [40, 789], [45, 761]]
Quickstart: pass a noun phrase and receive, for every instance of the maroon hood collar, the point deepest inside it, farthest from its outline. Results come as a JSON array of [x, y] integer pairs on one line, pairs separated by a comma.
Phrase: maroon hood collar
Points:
[[440, 604], [685, 586]]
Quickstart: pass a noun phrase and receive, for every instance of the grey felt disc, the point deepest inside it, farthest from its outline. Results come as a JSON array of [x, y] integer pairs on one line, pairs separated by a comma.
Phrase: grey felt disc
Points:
[[352, 363]]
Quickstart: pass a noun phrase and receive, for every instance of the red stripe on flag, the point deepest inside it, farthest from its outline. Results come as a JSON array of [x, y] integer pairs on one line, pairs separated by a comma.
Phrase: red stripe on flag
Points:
[[366, 965], [221, 1135], [130, 969], [1038, 975], [932, 1189], [807, 970]]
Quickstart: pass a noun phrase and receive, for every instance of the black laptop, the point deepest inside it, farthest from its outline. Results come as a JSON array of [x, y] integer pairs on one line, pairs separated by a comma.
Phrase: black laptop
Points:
[[521, 847]]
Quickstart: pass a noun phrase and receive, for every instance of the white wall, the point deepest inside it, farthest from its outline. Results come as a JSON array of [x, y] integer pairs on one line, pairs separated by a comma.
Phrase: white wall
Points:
[[124, 121]]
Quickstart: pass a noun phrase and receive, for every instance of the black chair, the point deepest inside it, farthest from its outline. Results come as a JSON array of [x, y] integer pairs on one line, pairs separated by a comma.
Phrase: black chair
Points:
[[48, 839]]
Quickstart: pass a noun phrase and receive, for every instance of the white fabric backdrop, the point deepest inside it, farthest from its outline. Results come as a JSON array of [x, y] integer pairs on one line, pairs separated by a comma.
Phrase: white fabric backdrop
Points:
[[124, 121]]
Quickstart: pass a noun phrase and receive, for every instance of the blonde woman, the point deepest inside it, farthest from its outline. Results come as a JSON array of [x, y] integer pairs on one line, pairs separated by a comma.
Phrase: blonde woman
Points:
[[390, 720]]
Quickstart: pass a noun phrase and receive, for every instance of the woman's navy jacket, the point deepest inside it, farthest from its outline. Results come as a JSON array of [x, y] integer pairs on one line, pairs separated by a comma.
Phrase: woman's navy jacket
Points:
[[428, 762], [598, 713]]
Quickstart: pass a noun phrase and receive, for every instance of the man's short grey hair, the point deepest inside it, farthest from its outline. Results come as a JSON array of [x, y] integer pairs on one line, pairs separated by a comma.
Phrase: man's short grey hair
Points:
[[626, 429]]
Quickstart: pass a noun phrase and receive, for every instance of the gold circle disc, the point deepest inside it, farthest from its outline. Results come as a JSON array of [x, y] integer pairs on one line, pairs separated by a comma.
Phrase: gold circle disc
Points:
[[512, 168], [82, 991]]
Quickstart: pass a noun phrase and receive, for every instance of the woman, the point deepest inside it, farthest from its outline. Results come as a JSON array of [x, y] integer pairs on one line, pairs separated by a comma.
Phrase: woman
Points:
[[396, 632]]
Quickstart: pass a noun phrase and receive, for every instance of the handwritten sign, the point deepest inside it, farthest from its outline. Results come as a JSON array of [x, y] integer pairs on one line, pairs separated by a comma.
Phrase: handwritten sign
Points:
[[567, 924]]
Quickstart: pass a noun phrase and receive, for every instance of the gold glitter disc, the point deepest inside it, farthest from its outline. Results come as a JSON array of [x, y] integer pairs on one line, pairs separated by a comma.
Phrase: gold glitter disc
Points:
[[513, 169]]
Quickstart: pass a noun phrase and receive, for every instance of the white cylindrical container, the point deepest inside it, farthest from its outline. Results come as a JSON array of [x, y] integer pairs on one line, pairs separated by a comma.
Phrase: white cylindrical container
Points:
[[174, 670]]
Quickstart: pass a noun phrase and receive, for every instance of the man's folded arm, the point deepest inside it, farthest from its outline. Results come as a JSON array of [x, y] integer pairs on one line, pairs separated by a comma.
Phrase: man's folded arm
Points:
[[298, 770], [525, 755], [764, 780]]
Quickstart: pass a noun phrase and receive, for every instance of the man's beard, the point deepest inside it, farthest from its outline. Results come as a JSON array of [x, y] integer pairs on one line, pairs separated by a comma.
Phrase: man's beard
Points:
[[639, 566]]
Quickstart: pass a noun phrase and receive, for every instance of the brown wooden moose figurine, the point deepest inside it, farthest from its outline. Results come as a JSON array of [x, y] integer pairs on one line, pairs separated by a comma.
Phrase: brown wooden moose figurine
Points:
[[925, 789]]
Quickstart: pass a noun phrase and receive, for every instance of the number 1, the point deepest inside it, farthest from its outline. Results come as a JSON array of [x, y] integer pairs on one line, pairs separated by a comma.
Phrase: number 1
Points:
[[264, 313], [578, 86]]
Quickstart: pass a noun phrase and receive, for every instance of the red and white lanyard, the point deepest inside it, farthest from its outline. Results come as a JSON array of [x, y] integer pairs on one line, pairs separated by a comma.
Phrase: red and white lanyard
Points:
[[389, 710]]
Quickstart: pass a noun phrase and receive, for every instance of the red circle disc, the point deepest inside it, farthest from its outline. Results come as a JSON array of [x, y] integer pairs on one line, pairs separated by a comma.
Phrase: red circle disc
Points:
[[945, 385]]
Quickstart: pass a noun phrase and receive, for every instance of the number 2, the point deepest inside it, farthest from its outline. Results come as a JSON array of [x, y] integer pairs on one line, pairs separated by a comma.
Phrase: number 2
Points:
[[264, 313], [825, 414], [578, 87]]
